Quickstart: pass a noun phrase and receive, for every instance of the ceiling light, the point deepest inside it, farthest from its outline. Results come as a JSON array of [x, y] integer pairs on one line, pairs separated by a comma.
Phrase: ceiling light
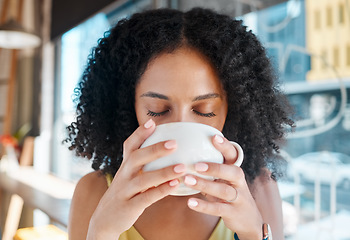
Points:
[[14, 36]]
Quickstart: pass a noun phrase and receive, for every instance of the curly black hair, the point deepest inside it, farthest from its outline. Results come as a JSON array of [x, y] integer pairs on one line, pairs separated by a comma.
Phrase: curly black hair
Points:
[[257, 111]]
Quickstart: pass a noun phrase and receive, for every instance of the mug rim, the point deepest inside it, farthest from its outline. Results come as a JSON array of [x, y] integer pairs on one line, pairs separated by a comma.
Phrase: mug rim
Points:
[[188, 123]]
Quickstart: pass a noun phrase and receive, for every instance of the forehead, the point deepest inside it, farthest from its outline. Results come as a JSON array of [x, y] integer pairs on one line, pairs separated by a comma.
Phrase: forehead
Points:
[[185, 70]]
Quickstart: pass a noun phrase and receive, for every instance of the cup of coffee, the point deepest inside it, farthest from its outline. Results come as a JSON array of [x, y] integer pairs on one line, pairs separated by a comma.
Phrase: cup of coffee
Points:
[[194, 144]]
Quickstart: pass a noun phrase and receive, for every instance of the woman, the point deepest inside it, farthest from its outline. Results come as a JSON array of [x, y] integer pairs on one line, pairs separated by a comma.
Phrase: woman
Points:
[[165, 66]]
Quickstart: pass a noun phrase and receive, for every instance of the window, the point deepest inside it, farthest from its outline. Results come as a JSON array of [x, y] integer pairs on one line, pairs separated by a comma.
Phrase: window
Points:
[[336, 57], [76, 45], [324, 59], [329, 16], [317, 154], [317, 19], [348, 55], [341, 13]]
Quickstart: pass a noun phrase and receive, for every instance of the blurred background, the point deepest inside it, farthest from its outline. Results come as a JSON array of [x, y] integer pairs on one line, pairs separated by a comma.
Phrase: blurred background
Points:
[[308, 42]]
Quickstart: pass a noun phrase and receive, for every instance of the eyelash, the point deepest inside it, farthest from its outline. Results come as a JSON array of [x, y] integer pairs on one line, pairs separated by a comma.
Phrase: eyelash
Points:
[[155, 114], [208, 115]]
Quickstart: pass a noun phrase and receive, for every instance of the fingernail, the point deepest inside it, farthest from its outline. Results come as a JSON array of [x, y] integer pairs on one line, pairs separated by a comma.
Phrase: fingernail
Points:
[[180, 168], [192, 203], [171, 144], [149, 123], [174, 182], [201, 167], [190, 180], [218, 139]]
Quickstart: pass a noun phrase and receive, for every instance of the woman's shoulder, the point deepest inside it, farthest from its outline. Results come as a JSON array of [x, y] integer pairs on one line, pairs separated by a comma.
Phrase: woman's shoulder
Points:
[[88, 192], [92, 186], [92, 180]]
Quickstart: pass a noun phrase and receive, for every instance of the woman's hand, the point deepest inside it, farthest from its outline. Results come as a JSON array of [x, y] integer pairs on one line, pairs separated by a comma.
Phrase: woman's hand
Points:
[[229, 196], [133, 190]]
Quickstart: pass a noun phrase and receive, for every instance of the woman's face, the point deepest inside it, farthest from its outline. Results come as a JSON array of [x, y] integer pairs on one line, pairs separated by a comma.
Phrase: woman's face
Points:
[[181, 86]]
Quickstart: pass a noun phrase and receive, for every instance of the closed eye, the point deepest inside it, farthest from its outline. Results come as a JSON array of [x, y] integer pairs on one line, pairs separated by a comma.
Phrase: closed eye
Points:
[[156, 114], [209, 115]]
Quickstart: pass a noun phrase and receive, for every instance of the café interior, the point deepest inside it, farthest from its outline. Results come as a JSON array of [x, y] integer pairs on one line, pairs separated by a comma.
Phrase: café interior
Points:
[[44, 45]]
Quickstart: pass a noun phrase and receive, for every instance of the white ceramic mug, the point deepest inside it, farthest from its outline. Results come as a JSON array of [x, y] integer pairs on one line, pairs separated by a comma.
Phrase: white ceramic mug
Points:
[[194, 145]]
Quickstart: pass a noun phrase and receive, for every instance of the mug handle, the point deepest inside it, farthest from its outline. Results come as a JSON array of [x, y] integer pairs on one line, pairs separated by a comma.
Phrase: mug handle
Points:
[[240, 153]]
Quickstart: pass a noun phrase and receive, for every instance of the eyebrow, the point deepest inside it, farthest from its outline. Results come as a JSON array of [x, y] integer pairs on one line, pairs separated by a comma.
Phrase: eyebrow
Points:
[[198, 98], [206, 96], [155, 95]]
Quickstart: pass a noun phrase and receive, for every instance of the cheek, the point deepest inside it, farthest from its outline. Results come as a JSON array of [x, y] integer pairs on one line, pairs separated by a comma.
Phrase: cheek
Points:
[[217, 122], [140, 115], [221, 117]]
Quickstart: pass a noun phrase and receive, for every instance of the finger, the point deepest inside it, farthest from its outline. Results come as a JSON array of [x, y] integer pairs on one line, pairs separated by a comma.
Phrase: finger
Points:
[[230, 150], [153, 152], [216, 189], [230, 173], [211, 208], [135, 140], [152, 195], [146, 180]]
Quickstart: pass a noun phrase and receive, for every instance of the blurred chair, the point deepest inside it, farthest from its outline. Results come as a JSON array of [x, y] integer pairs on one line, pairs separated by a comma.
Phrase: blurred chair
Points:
[[16, 203]]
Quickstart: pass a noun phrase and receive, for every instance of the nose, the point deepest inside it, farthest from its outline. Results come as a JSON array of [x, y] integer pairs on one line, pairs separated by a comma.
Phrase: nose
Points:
[[182, 115]]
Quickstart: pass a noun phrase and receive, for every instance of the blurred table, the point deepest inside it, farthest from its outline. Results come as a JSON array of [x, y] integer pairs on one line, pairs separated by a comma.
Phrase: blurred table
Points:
[[331, 227], [290, 189], [46, 192]]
